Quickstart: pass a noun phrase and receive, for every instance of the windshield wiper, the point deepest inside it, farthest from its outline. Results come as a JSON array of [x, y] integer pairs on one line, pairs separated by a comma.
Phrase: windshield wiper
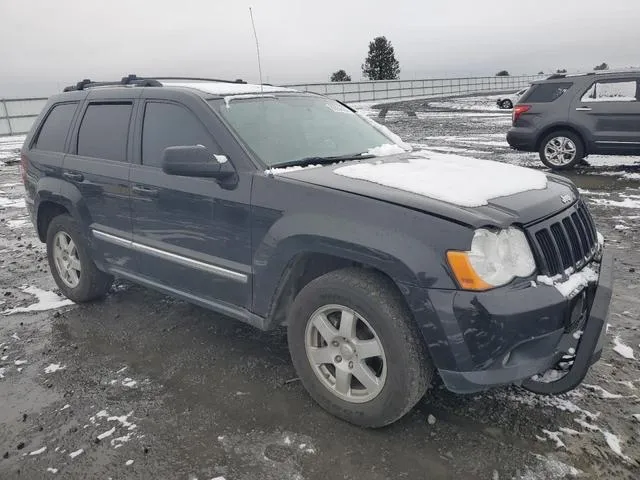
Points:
[[304, 162]]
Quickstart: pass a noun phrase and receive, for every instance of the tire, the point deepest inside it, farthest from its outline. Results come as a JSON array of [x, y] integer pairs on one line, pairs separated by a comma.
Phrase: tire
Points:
[[403, 373], [87, 283], [507, 104], [555, 143]]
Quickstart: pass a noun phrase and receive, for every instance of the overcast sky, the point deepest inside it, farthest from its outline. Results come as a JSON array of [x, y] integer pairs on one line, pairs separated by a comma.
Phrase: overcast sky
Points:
[[46, 44]]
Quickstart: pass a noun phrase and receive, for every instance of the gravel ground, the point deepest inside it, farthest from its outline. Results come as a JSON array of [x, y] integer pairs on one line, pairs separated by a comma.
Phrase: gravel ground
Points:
[[143, 386]]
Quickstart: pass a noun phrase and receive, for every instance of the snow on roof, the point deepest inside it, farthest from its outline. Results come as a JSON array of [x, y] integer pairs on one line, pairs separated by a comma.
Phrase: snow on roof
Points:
[[222, 88], [463, 181]]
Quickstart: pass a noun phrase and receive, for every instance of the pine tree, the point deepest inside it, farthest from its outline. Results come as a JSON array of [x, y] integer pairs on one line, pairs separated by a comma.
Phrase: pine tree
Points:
[[340, 76], [381, 63]]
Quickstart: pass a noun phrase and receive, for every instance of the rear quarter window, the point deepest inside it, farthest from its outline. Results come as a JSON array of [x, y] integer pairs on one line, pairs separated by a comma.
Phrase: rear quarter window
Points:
[[53, 133], [546, 92]]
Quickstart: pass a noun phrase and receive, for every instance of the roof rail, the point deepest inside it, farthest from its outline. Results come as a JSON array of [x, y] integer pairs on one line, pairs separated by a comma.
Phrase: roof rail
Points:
[[136, 81], [128, 80], [199, 79], [618, 70], [556, 76]]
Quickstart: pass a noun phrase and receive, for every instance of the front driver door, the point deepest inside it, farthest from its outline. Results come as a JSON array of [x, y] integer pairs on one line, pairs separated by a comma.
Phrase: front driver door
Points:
[[192, 235]]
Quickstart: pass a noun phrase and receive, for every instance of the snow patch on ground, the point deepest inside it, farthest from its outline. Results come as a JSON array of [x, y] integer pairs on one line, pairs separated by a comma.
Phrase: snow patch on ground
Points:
[[39, 451], [46, 301], [603, 393], [450, 178], [614, 444], [555, 437], [12, 202], [626, 203], [54, 367], [622, 349], [76, 453]]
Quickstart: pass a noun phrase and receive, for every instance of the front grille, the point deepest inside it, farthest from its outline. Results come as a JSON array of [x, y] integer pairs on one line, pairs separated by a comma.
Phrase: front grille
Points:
[[568, 240]]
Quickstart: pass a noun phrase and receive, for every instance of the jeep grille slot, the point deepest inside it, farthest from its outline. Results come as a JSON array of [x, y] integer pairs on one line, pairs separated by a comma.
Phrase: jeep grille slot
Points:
[[565, 241]]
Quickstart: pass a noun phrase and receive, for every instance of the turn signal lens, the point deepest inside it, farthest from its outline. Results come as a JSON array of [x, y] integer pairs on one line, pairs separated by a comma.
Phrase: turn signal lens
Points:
[[464, 272]]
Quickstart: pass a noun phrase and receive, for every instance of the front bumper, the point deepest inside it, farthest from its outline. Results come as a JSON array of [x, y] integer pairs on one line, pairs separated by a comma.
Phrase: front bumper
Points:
[[508, 337]]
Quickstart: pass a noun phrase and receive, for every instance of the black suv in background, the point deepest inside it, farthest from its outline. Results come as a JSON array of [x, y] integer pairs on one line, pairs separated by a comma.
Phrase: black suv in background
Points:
[[567, 117], [277, 207]]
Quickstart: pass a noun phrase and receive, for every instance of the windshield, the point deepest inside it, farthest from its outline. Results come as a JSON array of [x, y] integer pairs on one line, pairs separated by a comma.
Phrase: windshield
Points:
[[286, 128]]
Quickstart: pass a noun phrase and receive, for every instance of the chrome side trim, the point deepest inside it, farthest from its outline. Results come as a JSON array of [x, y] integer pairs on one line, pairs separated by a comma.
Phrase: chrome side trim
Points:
[[172, 257], [620, 143], [107, 237]]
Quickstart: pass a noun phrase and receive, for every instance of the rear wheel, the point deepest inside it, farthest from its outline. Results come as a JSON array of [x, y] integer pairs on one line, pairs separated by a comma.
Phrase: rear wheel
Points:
[[507, 104], [71, 266], [356, 349], [561, 150]]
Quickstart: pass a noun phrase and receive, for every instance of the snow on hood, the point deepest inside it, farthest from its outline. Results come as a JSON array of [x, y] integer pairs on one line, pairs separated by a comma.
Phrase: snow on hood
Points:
[[462, 181]]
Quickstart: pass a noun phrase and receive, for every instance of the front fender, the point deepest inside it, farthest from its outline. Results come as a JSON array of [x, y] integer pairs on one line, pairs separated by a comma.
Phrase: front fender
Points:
[[404, 258]]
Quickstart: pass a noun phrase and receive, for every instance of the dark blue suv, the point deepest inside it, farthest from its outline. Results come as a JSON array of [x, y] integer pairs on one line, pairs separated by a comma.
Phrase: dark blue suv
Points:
[[277, 207]]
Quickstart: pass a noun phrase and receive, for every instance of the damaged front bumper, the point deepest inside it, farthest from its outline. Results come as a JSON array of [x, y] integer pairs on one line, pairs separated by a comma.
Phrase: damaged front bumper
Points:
[[588, 346], [511, 336]]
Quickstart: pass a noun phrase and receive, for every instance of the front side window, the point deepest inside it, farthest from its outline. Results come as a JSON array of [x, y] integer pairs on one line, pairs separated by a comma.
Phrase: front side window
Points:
[[620, 91], [53, 133], [286, 128], [104, 131], [546, 92], [169, 125]]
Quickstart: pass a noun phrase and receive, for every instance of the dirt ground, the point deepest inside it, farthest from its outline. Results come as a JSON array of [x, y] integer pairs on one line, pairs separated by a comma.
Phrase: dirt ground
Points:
[[143, 386]]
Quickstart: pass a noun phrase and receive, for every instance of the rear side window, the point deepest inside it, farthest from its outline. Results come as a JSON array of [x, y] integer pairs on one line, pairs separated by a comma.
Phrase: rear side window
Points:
[[104, 131], [169, 125], [620, 91], [53, 133], [546, 92]]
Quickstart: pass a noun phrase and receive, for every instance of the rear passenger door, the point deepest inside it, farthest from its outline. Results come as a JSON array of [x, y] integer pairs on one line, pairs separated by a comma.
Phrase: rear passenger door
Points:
[[611, 111], [97, 173], [192, 234]]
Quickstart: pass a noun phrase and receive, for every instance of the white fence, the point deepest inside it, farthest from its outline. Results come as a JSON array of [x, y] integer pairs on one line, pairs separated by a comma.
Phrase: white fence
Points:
[[350, 92], [17, 114]]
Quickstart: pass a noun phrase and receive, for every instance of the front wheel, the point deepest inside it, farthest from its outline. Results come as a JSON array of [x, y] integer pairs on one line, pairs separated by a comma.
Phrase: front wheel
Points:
[[356, 348], [561, 150], [71, 266]]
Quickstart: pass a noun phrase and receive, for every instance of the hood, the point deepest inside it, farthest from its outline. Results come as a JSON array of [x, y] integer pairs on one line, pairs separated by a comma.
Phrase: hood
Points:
[[465, 190]]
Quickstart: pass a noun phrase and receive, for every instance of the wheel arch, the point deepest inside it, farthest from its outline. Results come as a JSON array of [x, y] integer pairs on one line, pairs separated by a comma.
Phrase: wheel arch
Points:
[[47, 211], [561, 127], [306, 266]]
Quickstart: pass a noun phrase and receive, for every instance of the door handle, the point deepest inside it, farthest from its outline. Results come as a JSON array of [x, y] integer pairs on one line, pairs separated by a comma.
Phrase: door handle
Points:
[[74, 177], [583, 109], [148, 192]]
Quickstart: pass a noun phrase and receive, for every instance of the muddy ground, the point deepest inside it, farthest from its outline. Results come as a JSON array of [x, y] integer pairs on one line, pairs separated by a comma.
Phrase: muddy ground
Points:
[[143, 386]]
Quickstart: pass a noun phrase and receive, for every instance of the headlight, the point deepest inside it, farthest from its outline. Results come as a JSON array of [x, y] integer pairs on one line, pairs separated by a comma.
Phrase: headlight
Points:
[[495, 258]]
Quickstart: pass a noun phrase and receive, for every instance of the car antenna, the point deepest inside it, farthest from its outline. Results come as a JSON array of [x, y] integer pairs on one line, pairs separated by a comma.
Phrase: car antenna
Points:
[[257, 48]]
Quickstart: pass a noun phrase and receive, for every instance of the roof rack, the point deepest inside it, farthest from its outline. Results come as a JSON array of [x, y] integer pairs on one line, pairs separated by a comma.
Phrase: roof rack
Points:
[[199, 79], [556, 76], [136, 81]]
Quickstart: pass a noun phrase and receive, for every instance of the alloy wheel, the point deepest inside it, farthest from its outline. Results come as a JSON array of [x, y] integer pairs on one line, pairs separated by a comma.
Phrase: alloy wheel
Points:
[[345, 353]]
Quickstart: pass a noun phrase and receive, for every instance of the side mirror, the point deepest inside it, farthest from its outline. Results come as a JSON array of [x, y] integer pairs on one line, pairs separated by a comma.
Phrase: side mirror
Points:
[[195, 161]]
